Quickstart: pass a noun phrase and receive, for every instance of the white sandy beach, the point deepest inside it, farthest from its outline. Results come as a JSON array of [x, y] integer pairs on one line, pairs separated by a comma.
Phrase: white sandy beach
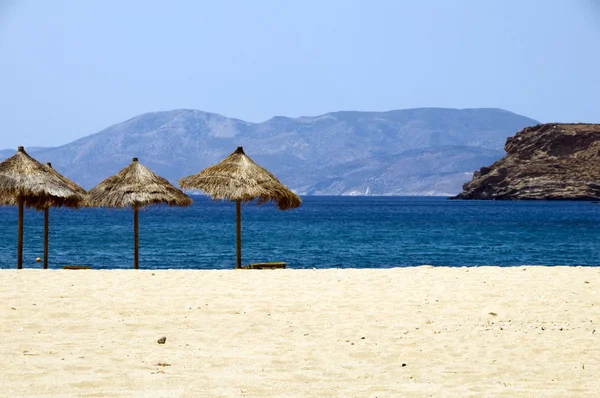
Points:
[[422, 331]]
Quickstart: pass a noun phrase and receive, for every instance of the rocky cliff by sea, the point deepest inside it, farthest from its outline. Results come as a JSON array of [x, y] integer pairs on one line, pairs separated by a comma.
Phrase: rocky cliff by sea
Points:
[[549, 162]]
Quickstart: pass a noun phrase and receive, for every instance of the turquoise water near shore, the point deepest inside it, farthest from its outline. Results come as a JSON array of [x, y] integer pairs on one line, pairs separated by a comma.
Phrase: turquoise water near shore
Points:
[[325, 232]]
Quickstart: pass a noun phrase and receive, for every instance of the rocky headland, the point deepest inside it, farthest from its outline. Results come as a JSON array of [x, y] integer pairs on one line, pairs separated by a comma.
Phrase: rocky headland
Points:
[[545, 162]]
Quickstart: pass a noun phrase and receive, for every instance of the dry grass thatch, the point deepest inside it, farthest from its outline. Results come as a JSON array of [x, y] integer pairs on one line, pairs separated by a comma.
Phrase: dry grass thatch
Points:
[[71, 184], [23, 177], [135, 186], [237, 177]]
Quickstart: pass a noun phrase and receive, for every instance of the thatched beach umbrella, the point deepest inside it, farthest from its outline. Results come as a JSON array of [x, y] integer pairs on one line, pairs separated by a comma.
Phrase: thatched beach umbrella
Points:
[[26, 182], [135, 186], [238, 179], [76, 188]]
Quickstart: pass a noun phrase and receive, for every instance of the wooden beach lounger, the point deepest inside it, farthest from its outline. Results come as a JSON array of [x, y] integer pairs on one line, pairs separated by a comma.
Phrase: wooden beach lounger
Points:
[[270, 265]]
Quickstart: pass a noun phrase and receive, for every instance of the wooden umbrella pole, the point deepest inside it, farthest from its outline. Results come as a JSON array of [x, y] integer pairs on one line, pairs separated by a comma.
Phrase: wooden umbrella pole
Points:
[[238, 233], [20, 238], [135, 238], [46, 217]]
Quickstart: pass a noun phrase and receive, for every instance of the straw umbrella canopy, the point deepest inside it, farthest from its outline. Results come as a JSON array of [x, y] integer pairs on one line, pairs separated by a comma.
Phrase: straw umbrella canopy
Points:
[[26, 182], [238, 179], [138, 187]]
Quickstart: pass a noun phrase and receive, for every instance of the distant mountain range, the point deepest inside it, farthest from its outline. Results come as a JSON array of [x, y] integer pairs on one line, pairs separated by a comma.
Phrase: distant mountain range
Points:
[[426, 151]]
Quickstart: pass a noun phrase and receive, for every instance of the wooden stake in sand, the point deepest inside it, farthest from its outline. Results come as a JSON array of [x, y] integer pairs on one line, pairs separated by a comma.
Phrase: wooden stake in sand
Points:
[[75, 188]]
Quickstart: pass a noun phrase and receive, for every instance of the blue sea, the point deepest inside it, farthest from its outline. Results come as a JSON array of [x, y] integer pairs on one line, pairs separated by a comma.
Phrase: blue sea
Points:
[[325, 232]]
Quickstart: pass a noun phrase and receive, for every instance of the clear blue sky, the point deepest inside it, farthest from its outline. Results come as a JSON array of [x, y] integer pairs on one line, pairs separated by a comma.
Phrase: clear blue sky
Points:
[[72, 68]]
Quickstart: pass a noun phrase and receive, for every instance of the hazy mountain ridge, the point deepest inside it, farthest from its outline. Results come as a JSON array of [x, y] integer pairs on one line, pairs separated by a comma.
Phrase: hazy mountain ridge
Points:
[[427, 151]]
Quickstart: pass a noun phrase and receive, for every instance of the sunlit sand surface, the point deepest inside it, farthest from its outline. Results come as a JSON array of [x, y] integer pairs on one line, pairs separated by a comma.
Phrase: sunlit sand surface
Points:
[[522, 331]]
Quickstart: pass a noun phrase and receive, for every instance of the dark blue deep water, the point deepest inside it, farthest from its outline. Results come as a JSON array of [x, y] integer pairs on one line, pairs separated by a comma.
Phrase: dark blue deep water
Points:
[[359, 232]]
